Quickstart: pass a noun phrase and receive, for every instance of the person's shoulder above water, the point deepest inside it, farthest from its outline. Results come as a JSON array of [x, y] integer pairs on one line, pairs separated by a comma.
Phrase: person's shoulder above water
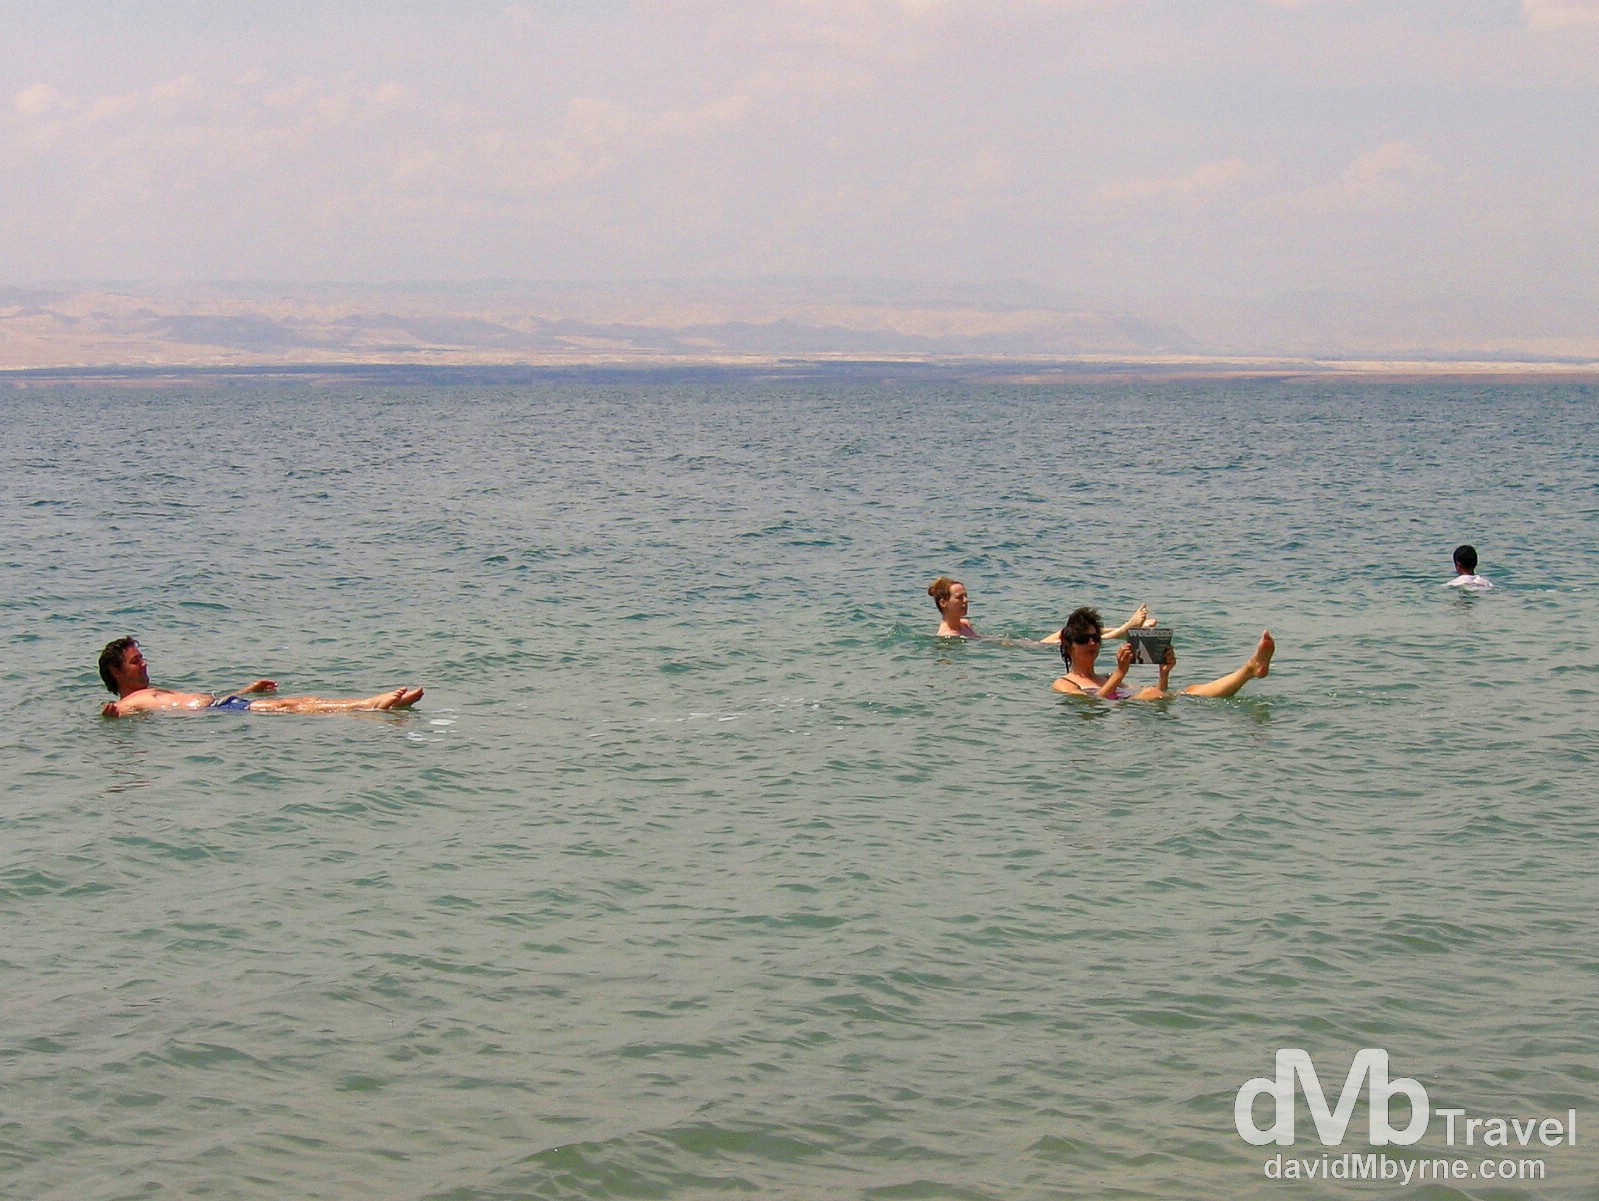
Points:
[[950, 597], [1466, 576]]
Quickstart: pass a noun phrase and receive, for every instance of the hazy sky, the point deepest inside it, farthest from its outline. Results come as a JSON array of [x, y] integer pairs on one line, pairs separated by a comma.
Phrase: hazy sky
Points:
[[1385, 147]]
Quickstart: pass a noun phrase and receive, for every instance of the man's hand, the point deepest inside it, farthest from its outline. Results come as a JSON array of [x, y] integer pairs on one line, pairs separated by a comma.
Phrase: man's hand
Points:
[[261, 686]]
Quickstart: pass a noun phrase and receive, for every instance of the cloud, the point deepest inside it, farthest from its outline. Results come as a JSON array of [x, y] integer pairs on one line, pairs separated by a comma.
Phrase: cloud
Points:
[[182, 170], [1393, 177], [589, 139], [1204, 184], [38, 101], [1560, 14], [184, 124], [598, 136]]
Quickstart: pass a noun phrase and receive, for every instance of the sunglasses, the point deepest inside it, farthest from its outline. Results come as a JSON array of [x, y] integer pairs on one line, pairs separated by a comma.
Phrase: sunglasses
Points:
[[1085, 639]]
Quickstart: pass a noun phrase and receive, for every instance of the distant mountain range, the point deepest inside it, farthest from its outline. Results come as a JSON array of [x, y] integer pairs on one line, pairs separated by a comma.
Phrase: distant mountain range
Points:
[[493, 323]]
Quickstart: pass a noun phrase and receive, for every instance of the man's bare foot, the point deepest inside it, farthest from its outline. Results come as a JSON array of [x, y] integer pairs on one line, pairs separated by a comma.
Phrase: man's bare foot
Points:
[[400, 698], [1260, 662]]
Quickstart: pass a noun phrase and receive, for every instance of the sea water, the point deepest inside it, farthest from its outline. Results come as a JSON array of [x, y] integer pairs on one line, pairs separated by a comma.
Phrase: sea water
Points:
[[702, 869]]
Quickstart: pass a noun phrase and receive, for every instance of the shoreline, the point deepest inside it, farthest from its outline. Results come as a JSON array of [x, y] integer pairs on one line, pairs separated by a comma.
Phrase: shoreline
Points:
[[1019, 370]]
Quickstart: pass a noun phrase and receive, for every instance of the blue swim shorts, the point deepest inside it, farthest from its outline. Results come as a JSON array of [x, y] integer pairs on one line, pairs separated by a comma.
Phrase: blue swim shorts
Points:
[[235, 703]]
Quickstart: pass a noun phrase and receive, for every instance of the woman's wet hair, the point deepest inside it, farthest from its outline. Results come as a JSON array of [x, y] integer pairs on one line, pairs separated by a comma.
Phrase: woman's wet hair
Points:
[[1082, 621], [939, 590]]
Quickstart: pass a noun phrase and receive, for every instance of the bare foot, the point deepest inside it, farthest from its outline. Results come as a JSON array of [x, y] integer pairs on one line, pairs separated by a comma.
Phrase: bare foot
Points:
[[1260, 661], [400, 698], [1140, 620]]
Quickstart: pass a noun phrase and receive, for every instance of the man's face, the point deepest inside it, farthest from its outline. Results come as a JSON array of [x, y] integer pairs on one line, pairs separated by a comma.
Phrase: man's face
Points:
[[134, 673]]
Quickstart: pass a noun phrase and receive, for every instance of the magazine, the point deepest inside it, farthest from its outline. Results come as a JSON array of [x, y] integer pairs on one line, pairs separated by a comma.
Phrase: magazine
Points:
[[1149, 646]]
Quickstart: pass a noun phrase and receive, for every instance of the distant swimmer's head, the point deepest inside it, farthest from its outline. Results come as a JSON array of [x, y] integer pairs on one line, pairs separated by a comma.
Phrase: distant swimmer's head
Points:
[[120, 661], [1466, 559], [1082, 628], [943, 590]]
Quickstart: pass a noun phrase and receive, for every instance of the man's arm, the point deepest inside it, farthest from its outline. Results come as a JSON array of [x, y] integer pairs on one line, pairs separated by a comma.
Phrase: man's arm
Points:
[[258, 686]]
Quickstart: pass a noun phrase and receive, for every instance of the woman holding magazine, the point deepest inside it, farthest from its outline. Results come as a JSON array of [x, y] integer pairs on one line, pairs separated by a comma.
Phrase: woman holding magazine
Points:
[[1081, 637]]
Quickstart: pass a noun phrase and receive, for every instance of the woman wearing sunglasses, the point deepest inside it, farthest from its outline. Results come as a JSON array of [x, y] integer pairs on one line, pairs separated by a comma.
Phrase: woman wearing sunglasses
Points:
[[1080, 639]]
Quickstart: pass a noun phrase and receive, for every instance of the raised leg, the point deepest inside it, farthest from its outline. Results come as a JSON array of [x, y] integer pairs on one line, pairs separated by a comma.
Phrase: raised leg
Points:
[[1258, 666]]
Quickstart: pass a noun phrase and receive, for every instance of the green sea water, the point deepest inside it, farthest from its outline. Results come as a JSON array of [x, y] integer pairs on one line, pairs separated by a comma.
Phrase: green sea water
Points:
[[703, 870]]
